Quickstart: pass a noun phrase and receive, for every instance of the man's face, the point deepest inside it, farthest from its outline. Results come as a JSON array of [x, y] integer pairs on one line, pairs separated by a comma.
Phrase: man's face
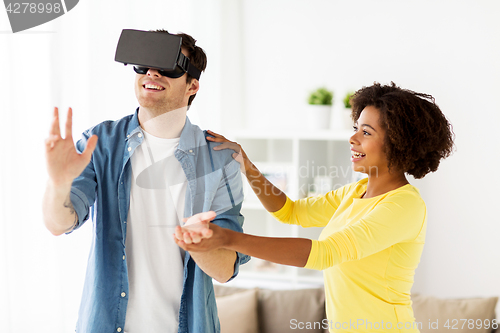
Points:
[[157, 92]]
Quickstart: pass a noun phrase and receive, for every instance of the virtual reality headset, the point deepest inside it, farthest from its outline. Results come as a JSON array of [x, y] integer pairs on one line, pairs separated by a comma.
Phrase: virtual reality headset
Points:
[[159, 50]]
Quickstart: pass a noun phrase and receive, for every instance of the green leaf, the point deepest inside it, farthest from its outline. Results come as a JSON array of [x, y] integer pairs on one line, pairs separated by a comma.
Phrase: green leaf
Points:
[[321, 96], [347, 99]]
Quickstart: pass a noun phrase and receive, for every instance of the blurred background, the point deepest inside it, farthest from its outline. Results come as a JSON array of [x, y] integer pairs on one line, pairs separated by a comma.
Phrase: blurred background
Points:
[[264, 57]]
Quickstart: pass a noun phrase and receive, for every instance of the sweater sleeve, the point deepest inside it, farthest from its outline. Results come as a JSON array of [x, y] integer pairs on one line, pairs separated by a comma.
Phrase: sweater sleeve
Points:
[[395, 219], [312, 211]]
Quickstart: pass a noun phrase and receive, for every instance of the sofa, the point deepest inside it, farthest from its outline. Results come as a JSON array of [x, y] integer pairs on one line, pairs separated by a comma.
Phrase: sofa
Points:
[[303, 310]]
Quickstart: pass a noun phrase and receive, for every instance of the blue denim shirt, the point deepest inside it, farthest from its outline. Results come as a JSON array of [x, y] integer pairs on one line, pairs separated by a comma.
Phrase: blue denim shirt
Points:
[[214, 183]]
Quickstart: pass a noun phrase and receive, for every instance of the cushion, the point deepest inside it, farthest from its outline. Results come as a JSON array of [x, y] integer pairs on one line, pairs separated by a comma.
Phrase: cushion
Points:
[[282, 311], [238, 312], [438, 315], [222, 290]]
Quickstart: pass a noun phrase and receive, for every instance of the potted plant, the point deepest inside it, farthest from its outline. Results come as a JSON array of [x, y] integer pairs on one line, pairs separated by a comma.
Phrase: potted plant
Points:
[[320, 108], [347, 100]]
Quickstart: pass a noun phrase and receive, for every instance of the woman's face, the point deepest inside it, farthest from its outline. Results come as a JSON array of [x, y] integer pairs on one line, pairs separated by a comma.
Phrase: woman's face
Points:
[[367, 144]]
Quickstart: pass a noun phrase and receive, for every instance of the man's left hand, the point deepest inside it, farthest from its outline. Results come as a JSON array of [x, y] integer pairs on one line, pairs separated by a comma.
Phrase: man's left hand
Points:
[[195, 228], [199, 235]]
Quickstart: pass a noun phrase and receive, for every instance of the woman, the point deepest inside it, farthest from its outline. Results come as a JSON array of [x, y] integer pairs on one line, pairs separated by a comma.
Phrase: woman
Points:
[[374, 229]]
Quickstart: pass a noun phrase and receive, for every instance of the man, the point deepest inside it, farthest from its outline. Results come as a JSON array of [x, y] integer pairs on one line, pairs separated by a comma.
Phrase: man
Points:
[[140, 175]]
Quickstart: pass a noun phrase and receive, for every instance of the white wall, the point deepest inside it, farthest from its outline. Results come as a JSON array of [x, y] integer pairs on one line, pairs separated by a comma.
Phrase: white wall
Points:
[[450, 49]]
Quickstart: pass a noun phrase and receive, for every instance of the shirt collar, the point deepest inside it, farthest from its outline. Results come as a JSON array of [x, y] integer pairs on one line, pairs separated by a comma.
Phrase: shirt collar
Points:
[[133, 126], [186, 141]]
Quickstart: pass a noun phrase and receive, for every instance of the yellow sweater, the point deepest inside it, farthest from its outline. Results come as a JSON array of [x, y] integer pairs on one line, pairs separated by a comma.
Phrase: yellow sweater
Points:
[[369, 250]]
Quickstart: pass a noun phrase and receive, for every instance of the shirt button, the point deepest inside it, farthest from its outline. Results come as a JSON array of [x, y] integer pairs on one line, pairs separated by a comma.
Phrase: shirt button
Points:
[[129, 148], [140, 135], [123, 294], [119, 329], [123, 257]]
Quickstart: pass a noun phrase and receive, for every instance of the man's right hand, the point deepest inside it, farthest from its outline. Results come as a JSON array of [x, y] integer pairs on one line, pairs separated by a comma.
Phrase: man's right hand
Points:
[[64, 163]]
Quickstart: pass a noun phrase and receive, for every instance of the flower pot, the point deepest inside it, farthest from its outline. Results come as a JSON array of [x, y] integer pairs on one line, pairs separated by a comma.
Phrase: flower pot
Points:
[[318, 116]]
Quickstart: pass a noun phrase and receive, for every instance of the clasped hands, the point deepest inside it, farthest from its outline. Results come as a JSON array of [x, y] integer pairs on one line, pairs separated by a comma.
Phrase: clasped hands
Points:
[[198, 234]]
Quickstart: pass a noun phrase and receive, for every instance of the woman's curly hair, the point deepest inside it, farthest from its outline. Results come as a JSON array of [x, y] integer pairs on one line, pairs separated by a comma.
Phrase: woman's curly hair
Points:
[[418, 135]]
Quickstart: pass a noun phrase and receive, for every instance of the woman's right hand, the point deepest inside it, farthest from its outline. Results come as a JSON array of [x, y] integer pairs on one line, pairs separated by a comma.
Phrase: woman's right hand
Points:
[[240, 156]]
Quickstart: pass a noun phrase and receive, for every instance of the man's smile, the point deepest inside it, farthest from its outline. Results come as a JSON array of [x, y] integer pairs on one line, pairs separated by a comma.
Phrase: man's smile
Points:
[[152, 86]]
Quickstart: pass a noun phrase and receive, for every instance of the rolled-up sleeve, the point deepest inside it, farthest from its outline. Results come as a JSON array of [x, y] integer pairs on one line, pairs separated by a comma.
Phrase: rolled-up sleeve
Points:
[[227, 204], [233, 220], [84, 187]]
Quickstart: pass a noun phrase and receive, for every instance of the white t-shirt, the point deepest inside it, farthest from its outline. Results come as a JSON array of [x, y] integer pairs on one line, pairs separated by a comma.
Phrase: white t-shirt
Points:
[[154, 261]]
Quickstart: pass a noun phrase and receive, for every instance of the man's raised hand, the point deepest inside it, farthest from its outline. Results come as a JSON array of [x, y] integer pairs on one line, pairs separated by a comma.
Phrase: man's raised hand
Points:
[[64, 163]]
